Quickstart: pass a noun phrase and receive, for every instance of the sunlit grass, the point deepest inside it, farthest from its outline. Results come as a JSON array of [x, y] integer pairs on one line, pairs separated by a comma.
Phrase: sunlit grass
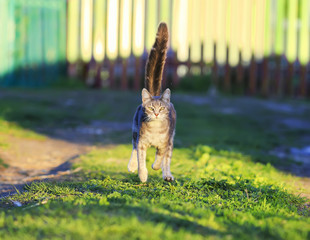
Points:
[[227, 184], [217, 194], [8, 128]]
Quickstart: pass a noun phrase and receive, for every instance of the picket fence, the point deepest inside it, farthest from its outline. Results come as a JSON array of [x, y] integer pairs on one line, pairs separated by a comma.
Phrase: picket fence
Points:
[[245, 46]]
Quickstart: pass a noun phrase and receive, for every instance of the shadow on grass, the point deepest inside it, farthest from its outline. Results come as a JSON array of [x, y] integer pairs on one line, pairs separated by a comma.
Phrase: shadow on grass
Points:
[[104, 117], [108, 198], [204, 207]]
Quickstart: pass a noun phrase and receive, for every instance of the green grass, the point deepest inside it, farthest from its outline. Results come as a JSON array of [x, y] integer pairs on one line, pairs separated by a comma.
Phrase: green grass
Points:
[[13, 129], [227, 184], [216, 194], [2, 164], [8, 129]]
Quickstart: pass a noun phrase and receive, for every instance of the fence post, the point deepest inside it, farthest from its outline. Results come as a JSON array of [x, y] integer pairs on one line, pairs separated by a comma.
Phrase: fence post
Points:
[[98, 81], [227, 72], [240, 74], [303, 81], [111, 73], [289, 88], [253, 76], [124, 82], [278, 77], [215, 69], [137, 80], [265, 78]]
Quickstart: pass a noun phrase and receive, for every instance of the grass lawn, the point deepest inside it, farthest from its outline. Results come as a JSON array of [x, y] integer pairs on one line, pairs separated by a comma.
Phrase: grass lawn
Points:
[[228, 184]]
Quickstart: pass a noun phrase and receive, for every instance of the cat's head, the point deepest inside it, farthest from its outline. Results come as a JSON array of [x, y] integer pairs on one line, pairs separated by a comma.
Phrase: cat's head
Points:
[[156, 107]]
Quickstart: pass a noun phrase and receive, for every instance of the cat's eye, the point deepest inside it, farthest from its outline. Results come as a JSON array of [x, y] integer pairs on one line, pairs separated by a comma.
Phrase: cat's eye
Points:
[[161, 109], [151, 108]]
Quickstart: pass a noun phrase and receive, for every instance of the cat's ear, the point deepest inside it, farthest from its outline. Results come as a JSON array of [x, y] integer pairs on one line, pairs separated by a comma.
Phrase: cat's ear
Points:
[[166, 95], [146, 96]]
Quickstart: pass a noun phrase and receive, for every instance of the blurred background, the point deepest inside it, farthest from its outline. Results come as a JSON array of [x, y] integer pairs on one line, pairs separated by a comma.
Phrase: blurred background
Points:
[[247, 47]]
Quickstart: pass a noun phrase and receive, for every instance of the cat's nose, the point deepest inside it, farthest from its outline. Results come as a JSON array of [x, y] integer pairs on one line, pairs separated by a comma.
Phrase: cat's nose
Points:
[[156, 114]]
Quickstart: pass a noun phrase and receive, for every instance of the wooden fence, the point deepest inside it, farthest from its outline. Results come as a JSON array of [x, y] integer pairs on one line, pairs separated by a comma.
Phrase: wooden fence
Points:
[[255, 46], [32, 41], [245, 46]]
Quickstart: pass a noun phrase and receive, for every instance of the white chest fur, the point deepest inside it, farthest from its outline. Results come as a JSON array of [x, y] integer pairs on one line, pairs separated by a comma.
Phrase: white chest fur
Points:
[[156, 133], [156, 125]]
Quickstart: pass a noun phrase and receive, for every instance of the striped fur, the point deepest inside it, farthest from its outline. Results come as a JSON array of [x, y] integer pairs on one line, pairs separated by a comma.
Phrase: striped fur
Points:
[[156, 61], [155, 119]]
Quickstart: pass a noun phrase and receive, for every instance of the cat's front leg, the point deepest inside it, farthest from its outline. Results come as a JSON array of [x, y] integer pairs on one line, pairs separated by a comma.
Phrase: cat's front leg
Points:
[[142, 170], [167, 176]]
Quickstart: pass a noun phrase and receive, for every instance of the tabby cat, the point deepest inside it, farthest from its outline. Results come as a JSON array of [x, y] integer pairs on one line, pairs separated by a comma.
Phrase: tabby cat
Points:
[[154, 120]]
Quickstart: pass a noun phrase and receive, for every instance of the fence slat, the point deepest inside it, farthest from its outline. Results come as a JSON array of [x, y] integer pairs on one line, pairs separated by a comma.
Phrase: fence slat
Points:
[[86, 29], [73, 50], [259, 39], [151, 22], [138, 27], [304, 37], [203, 33], [194, 34], [209, 29], [182, 31], [245, 44], [233, 26], [62, 29], [4, 11], [125, 28], [51, 43], [291, 36], [99, 34], [221, 14], [304, 45], [112, 29]]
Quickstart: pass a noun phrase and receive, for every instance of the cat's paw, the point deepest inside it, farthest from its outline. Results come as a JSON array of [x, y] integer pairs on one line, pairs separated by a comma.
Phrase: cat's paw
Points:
[[132, 167], [156, 166], [143, 175], [133, 162], [168, 177]]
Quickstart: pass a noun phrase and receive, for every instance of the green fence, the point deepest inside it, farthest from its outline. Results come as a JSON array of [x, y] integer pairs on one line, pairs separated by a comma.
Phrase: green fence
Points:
[[32, 42]]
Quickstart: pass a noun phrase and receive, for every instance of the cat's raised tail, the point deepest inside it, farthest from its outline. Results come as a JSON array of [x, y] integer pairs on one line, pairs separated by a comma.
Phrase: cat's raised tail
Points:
[[156, 61]]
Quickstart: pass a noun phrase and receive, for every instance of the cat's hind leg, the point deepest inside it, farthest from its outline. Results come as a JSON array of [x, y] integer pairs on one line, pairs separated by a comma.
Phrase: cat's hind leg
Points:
[[159, 157], [142, 170], [167, 176], [133, 162]]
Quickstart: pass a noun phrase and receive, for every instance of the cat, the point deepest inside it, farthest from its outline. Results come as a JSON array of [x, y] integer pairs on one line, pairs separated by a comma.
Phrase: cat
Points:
[[155, 119]]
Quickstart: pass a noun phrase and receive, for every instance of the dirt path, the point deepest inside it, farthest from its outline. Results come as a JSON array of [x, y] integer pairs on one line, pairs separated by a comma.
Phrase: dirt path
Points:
[[29, 159]]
